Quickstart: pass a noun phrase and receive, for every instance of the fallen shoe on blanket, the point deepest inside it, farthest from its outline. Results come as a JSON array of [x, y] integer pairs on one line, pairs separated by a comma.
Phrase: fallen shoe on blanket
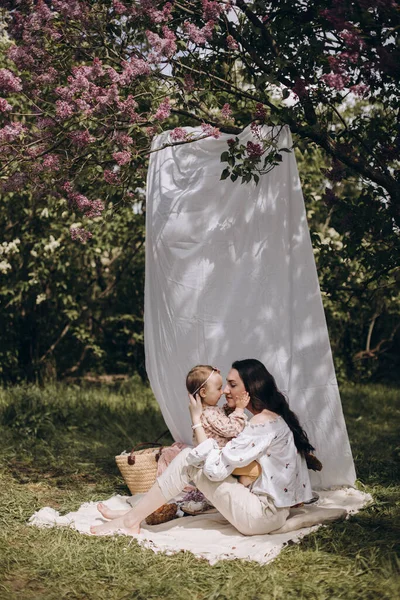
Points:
[[165, 513]]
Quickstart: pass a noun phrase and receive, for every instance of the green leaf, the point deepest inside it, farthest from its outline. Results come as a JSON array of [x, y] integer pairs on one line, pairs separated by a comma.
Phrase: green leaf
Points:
[[225, 156], [225, 174]]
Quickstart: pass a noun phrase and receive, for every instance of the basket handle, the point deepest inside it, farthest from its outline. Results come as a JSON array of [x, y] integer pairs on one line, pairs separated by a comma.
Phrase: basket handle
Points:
[[131, 457]]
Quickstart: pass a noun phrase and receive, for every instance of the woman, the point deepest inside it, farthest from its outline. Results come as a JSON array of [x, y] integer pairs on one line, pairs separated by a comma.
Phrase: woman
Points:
[[273, 437]]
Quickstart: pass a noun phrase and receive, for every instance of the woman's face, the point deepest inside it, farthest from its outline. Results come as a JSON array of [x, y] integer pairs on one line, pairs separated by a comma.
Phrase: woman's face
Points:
[[234, 388]]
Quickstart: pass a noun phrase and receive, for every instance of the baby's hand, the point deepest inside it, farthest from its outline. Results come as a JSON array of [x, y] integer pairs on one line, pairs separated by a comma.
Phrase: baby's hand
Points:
[[195, 408], [243, 400]]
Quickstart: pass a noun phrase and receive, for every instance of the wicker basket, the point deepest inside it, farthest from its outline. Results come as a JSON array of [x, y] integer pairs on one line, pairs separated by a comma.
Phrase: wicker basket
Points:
[[139, 468]]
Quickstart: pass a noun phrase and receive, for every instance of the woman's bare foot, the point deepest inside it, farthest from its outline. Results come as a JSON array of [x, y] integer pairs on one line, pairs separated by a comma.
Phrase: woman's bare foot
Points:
[[108, 513], [118, 524]]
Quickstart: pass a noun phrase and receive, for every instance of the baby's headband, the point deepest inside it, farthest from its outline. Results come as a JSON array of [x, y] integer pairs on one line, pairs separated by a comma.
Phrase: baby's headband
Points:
[[215, 370]]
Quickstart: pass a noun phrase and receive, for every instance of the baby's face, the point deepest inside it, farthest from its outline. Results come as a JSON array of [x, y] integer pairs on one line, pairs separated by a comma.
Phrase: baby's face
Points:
[[234, 388], [213, 391]]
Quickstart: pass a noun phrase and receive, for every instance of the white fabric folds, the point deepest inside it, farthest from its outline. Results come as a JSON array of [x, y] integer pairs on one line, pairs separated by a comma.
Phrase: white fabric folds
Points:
[[230, 274]]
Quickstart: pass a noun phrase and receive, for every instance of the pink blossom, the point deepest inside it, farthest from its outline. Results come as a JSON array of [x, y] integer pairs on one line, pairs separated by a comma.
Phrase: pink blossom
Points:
[[178, 134], [36, 150], [335, 16], [211, 10], [335, 80], [14, 183], [260, 112], [81, 138], [68, 187], [63, 109], [156, 16], [163, 111], [9, 82], [113, 75], [111, 177], [122, 139], [72, 9], [351, 39], [231, 43], [256, 129], [132, 69], [299, 88], [122, 158], [189, 83], [199, 36], [350, 57], [51, 162], [226, 111], [10, 132], [119, 8], [4, 106], [209, 130], [360, 89], [231, 142], [150, 131], [95, 209], [50, 76], [106, 96], [81, 202], [44, 122], [80, 234], [165, 46], [97, 68], [84, 107], [19, 56], [254, 150], [128, 107]]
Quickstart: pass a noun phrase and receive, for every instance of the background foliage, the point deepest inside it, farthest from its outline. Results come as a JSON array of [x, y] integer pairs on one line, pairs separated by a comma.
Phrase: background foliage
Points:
[[84, 86]]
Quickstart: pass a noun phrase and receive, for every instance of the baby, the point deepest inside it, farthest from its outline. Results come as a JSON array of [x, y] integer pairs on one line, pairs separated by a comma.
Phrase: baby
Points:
[[221, 424]]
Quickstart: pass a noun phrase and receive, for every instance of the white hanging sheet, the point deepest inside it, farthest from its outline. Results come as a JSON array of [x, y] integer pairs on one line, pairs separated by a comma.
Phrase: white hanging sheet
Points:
[[230, 274]]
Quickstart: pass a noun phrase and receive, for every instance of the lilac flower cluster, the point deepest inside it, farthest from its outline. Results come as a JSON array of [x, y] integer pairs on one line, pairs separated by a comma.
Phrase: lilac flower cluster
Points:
[[231, 42], [122, 158], [210, 131], [198, 35], [211, 10], [90, 208], [161, 47], [254, 150], [80, 233], [178, 134], [163, 111], [81, 138], [9, 83], [226, 111]]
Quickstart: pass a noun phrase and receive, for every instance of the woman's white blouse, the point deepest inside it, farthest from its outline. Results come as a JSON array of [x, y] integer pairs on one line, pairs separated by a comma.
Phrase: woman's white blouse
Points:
[[284, 474]]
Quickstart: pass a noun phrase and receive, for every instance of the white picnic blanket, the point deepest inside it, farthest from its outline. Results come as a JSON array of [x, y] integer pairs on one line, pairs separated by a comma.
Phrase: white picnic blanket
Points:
[[211, 536]]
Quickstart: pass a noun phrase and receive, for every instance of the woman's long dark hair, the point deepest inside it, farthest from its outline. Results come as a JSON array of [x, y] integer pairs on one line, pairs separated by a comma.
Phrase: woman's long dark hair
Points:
[[261, 386]]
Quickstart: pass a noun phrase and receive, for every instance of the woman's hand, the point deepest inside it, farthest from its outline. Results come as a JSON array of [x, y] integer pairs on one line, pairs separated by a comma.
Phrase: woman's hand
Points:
[[195, 408], [243, 400]]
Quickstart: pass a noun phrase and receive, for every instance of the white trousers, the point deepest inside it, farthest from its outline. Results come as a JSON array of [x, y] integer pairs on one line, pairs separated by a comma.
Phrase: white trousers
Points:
[[249, 513]]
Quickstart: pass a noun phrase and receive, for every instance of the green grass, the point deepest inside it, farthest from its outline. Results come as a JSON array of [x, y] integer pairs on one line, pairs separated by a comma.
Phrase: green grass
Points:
[[56, 448]]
